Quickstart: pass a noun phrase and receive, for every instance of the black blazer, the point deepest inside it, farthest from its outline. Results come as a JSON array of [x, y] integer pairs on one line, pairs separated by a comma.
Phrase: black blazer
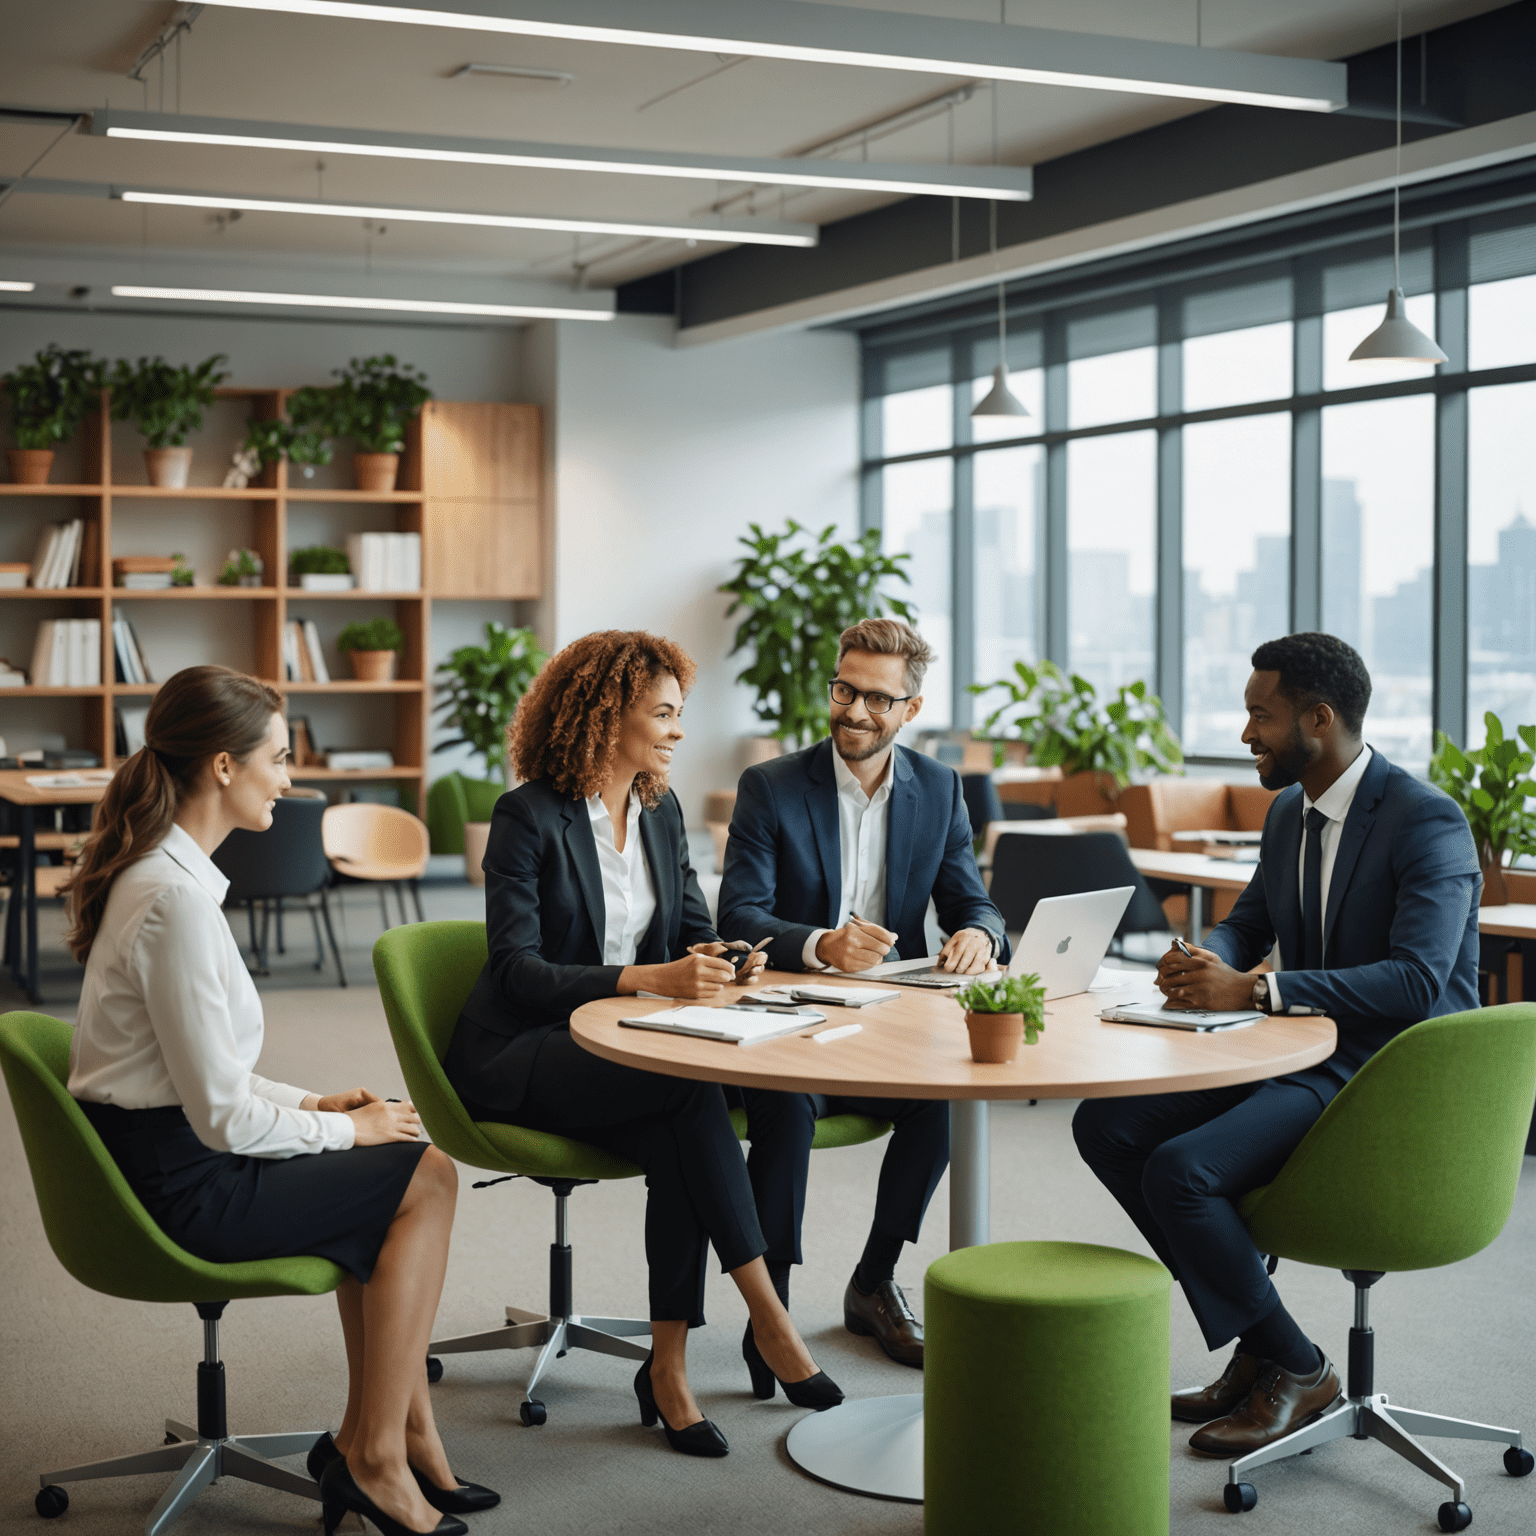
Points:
[[545, 917]]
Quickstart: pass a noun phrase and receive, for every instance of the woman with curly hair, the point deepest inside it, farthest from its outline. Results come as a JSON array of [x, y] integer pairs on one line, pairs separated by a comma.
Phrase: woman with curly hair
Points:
[[589, 894]]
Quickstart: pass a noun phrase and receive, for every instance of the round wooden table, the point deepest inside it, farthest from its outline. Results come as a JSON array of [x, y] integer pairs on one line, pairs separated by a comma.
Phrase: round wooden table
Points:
[[915, 1047]]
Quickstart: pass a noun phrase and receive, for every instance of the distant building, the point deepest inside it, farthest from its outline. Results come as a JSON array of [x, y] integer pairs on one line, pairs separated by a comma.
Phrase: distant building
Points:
[[1343, 569]]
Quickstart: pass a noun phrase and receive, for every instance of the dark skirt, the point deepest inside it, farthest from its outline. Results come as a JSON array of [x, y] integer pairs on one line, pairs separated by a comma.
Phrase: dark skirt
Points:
[[228, 1208]]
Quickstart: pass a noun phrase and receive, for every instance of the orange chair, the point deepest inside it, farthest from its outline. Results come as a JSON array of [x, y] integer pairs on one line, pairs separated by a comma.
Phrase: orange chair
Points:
[[381, 843]]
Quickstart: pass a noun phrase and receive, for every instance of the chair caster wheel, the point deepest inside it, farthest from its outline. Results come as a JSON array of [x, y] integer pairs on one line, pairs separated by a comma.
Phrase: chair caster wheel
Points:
[[1517, 1462], [1455, 1517], [51, 1502], [531, 1412], [1239, 1497], [434, 1369]]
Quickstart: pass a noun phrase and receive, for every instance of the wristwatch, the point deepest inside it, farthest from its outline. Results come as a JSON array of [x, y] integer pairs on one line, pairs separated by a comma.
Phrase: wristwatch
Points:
[[1261, 993]]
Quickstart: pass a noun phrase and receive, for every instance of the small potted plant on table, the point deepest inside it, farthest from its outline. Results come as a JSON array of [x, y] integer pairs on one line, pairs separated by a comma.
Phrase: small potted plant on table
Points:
[[50, 397], [165, 403], [372, 644], [1000, 1014]]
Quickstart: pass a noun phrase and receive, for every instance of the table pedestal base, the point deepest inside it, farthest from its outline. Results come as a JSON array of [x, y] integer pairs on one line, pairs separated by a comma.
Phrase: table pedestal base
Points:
[[874, 1447]]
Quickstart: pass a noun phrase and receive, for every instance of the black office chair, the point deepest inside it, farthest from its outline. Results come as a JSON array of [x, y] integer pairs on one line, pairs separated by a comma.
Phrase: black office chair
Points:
[[1027, 810], [285, 862], [1027, 866], [981, 802]]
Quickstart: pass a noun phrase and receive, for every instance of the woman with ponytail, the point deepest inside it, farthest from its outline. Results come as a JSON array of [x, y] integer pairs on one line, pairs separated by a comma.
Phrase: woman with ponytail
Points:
[[230, 1165]]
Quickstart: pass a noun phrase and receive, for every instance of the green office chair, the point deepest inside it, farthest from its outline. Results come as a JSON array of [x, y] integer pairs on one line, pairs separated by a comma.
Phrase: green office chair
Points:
[[105, 1238], [1413, 1165], [426, 972]]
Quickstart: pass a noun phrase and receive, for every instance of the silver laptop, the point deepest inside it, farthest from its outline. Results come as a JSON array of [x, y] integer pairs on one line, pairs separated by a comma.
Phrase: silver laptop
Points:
[[1064, 945]]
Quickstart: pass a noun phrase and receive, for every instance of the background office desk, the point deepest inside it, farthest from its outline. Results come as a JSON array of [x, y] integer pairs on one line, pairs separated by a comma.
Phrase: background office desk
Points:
[[21, 915], [1200, 872], [1517, 920], [916, 1047]]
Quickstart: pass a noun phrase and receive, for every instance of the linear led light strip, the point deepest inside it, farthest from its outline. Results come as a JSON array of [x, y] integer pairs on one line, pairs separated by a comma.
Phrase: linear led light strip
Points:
[[802, 235], [997, 183], [17, 287], [352, 301], [845, 35]]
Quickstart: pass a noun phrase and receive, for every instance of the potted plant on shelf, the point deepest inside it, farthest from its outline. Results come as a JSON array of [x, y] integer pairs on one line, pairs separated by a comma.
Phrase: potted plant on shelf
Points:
[[1000, 1014], [371, 644], [480, 687], [310, 426], [1063, 725], [50, 397], [799, 593], [372, 405], [1492, 785], [182, 574], [319, 568], [165, 403], [242, 568]]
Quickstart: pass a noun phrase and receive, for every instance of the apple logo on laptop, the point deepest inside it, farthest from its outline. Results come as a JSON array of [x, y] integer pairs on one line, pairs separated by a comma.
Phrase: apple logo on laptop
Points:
[[1061, 948]]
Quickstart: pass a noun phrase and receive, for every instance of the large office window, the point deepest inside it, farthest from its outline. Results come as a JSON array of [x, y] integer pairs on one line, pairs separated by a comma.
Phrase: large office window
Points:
[[1203, 468]]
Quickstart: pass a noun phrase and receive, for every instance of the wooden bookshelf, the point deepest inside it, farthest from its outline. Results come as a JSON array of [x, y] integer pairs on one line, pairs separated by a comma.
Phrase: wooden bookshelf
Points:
[[470, 485]]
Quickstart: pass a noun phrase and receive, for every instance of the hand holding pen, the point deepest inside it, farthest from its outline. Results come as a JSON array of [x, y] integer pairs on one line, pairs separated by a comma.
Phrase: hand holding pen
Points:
[[856, 946]]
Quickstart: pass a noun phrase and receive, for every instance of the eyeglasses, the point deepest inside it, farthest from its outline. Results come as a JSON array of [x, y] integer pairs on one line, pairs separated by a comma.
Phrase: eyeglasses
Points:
[[875, 703]]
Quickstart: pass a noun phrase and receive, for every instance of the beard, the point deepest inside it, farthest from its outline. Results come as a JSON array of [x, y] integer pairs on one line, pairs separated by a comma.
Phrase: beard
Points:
[[1291, 761], [867, 742]]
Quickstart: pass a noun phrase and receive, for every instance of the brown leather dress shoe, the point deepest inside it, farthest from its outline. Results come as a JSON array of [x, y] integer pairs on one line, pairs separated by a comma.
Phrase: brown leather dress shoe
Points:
[[1199, 1405], [885, 1316], [1278, 1404]]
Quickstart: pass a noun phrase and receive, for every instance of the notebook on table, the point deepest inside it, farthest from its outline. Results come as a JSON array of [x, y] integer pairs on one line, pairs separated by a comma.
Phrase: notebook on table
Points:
[[1200, 1020], [735, 1026]]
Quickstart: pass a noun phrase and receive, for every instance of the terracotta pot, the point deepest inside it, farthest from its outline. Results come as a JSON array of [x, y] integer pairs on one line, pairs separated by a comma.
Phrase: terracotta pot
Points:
[[1087, 794], [375, 471], [167, 467], [995, 1037], [760, 749], [30, 466], [373, 666], [1495, 888], [475, 835]]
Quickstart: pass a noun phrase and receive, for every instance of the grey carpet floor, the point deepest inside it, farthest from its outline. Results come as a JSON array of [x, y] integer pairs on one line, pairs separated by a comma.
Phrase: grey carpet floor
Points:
[[89, 1376]]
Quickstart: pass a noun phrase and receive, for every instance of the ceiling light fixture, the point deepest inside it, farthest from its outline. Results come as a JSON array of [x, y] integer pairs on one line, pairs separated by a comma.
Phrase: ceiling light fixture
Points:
[[558, 78], [7, 287], [846, 35], [1397, 338], [353, 301], [766, 232], [1005, 183], [999, 400]]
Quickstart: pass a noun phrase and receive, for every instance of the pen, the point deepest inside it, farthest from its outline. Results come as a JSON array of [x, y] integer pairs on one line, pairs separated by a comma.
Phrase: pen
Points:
[[1182, 947], [823, 1036]]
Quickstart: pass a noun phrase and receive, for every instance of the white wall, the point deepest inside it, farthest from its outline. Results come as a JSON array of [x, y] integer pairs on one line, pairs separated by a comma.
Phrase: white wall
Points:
[[660, 459]]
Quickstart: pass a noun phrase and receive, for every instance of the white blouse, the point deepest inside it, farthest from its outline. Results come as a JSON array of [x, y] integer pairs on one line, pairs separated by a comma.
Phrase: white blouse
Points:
[[629, 895], [169, 1014]]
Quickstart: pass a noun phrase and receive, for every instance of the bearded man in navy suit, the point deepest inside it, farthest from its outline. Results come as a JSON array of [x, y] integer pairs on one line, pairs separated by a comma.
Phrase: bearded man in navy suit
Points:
[[1367, 891]]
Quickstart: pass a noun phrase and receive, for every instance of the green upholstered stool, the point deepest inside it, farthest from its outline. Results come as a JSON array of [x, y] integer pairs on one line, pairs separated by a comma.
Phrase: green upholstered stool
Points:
[[1414, 1164], [105, 1238], [453, 800], [1045, 1395], [426, 972], [831, 1130]]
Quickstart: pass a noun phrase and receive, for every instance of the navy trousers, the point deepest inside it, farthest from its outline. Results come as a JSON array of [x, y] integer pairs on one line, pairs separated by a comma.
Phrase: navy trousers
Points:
[[1179, 1163], [780, 1127]]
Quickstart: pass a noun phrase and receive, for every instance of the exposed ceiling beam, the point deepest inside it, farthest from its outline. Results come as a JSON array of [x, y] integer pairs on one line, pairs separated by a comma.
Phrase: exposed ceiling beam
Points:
[[1002, 183], [846, 35]]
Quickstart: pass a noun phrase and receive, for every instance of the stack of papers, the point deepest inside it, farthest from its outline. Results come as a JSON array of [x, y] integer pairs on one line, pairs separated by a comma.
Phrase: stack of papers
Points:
[[728, 1024]]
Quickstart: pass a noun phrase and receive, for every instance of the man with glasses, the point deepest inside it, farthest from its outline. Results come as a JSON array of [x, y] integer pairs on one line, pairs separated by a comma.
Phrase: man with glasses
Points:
[[834, 855]]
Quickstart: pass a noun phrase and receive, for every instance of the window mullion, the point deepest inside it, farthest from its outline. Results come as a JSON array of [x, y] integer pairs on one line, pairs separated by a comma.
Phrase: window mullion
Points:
[[1052, 564], [1169, 596], [1452, 273], [962, 561], [1307, 450]]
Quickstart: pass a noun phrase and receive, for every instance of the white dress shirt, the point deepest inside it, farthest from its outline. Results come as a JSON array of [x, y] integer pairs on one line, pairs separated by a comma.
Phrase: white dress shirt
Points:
[[862, 821], [629, 894], [169, 1014], [1334, 803]]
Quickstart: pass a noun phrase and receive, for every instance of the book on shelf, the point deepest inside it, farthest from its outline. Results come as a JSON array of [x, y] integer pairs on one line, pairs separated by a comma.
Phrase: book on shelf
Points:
[[145, 581], [10, 677], [359, 760], [143, 573], [130, 659], [128, 727], [67, 654], [303, 658], [56, 561], [316, 655], [386, 562], [14, 573]]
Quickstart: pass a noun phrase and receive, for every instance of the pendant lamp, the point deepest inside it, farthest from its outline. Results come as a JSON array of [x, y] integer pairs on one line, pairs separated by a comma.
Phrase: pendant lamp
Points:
[[999, 400], [1397, 338]]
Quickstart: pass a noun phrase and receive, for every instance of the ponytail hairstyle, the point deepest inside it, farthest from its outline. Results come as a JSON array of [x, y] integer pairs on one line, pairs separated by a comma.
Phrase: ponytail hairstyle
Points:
[[198, 713]]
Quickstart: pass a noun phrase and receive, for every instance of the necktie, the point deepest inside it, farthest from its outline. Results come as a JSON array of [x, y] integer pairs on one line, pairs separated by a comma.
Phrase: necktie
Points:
[[1312, 893]]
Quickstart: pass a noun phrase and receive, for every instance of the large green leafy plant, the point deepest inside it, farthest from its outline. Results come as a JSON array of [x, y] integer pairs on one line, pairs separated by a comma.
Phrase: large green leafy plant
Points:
[[1492, 786], [482, 686], [165, 402], [799, 593], [374, 401], [1065, 726], [52, 395]]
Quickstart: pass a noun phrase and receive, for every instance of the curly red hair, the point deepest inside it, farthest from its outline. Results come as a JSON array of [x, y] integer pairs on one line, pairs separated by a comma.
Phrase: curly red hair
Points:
[[567, 726]]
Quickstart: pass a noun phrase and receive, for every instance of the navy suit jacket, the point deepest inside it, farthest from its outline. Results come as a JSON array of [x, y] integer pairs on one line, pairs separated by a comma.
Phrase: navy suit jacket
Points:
[[1400, 928], [545, 919], [783, 862]]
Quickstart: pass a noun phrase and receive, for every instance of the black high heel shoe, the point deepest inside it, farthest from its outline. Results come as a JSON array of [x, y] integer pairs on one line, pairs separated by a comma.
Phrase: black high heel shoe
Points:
[[818, 1391], [339, 1493], [321, 1454], [466, 1499], [701, 1439]]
